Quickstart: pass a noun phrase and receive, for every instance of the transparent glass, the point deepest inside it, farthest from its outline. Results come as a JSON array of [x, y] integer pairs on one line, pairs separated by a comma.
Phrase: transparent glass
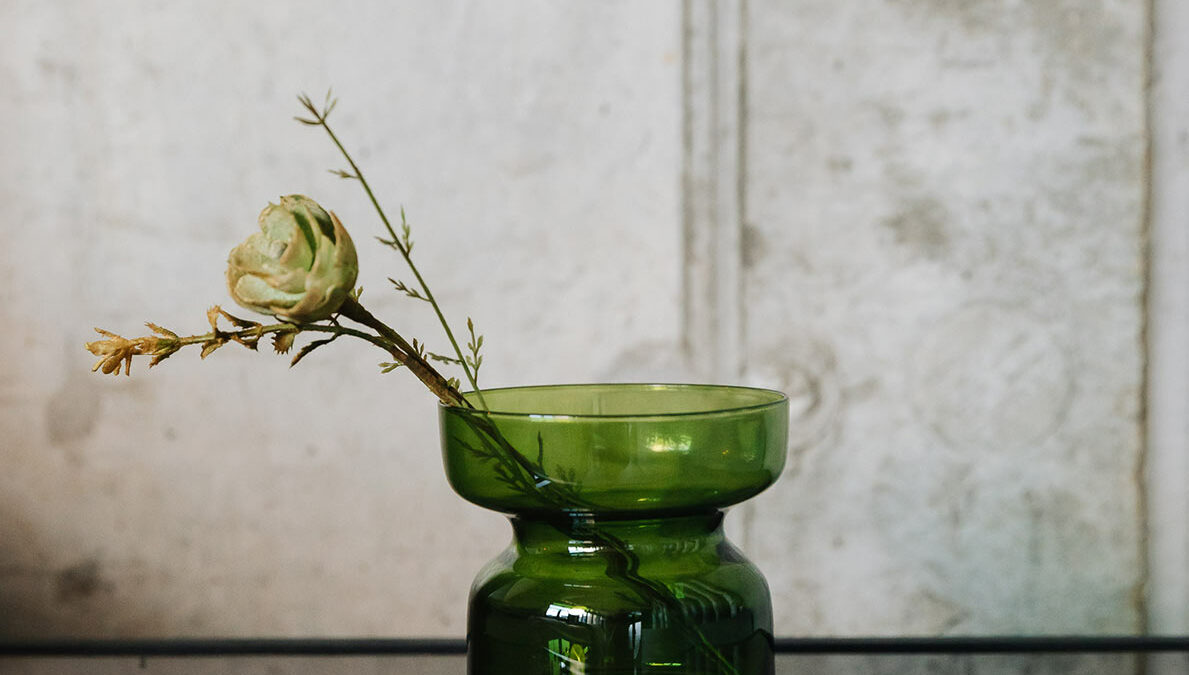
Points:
[[616, 493]]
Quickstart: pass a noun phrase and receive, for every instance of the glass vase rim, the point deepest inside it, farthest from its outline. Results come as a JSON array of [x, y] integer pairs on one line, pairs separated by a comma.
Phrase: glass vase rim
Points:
[[778, 398]]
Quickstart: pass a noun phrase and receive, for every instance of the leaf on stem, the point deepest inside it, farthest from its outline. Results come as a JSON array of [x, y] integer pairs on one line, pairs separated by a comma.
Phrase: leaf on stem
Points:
[[419, 349], [319, 115], [213, 314], [160, 330], [283, 342], [389, 366], [249, 334], [404, 288], [406, 232], [306, 103], [211, 345], [475, 360], [311, 347]]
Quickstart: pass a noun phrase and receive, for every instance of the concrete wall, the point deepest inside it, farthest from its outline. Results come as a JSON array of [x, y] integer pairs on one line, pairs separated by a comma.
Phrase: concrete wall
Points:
[[952, 231], [944, 240]]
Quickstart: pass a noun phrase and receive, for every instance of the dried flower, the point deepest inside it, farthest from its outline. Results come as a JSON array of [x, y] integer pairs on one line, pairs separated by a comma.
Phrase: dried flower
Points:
[[113, 352], [117, 351], [299, 267]]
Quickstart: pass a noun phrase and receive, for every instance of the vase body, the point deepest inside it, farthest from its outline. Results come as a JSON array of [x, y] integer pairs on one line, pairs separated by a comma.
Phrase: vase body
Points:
[[616, 494]]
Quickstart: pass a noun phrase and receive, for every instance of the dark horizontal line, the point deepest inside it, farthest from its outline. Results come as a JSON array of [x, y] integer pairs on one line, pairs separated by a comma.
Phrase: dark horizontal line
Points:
[[215, 647], [982, 645], [234, 647]]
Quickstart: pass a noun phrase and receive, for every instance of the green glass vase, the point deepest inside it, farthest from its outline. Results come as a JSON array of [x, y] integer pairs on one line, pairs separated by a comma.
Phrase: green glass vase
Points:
[[616, 494]]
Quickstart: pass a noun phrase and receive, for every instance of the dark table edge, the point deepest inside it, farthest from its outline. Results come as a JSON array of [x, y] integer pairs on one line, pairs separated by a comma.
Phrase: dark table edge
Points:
[[216, 647]]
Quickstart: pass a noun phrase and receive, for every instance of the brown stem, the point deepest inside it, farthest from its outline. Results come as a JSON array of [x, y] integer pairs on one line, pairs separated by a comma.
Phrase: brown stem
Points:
[[436, 382]]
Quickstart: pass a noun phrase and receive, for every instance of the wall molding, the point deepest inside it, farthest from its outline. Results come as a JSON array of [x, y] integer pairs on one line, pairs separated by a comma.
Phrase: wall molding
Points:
[[713, 184], [1167, 454]]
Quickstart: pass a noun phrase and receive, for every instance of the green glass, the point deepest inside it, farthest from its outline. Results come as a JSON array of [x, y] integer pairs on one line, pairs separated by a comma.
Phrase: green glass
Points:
[[616, 493]]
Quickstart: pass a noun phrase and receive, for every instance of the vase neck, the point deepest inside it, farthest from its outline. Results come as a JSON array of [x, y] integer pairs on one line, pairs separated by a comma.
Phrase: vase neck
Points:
[[586, 534]]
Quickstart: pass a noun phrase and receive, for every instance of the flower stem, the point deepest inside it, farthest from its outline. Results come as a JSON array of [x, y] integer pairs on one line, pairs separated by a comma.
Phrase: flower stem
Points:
[[520, 470], [117, 352], [250, 335], [622, 561], [410, 357], [395, 242]]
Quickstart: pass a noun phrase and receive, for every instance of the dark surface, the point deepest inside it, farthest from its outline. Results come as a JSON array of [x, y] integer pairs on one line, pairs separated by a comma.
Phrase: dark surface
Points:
[[386, 646]]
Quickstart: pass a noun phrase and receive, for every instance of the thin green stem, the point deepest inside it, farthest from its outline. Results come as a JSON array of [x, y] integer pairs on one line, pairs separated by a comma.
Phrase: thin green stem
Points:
[[529, 477], [404, 252]]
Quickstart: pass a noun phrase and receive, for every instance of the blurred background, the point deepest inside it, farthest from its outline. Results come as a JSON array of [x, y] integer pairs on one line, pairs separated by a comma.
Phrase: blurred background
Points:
[[953, 231]]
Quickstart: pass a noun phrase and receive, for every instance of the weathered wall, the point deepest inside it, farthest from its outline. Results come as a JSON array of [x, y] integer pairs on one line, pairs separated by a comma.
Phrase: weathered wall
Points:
[[943, 235], [537, 153], [927, 220], [1167, 475]]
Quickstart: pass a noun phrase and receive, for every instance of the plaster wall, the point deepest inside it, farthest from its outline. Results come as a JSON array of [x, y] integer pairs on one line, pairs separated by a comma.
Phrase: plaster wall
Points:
[[936, 224]]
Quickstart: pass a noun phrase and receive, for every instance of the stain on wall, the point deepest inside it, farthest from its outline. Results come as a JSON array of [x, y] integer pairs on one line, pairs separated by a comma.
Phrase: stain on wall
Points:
[[976, 271], [80, 582], [940, 256]]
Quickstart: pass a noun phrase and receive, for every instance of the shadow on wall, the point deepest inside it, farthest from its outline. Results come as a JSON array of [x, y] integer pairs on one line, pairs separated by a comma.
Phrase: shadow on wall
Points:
[[39, 599]]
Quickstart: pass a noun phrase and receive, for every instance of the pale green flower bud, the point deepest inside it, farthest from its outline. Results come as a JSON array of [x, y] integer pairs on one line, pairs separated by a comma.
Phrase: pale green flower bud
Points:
[[299, 267]]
